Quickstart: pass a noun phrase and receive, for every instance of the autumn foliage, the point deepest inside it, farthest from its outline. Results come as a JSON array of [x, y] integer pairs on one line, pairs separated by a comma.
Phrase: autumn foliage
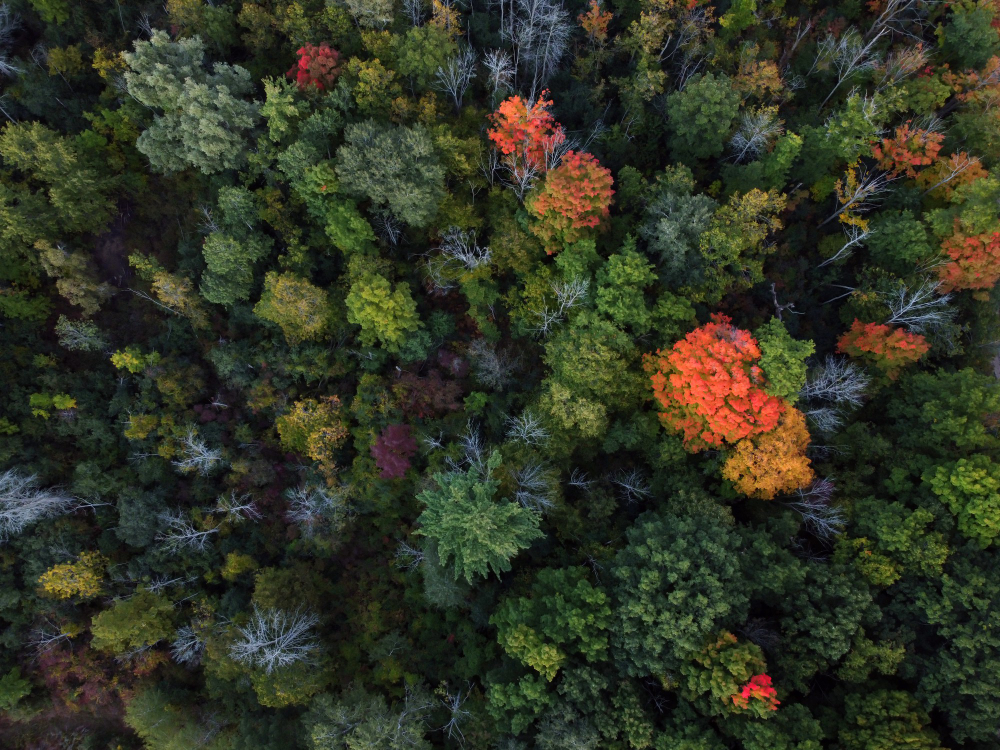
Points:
[[525, 134], [318, 66], [315, 429], [909, 149], [974, 262], [711, 388], [392, 451], [758, 689], [595, 22], [886, 347], [574, 199], [774, 462]]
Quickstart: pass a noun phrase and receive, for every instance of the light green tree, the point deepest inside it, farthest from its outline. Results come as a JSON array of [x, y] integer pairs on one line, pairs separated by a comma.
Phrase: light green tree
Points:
[[783, 359], [392, 166], [300, 308], [141, 620], [203, 119], [970, 487], [386, 315], [472, 530], [701, 116]]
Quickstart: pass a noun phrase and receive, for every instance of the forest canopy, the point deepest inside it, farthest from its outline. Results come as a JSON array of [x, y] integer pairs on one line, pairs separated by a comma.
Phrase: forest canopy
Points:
[[499, 374]]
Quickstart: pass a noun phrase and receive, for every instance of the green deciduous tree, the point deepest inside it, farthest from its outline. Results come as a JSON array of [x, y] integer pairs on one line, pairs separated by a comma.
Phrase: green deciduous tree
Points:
[[676, 582], [473, 531], [141, 620], [621, 282], [701, 116], [392, 166], [970, 487], [563, 615], [387, 316], [885, 720], [301, 309], [360, 720], [783, 359]]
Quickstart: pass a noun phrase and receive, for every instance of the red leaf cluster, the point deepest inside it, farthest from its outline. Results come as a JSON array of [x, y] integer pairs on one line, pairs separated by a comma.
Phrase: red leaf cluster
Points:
[[318, 66], [711, 389], [575, 198], [430, 396], [392, 451], [525, 133], [911, 148], [887, 347], [759, 688], [974, 264]]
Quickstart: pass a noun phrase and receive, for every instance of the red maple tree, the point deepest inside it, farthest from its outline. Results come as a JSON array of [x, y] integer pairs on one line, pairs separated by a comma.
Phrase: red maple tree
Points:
[[974, 264], [392, 451], [886, 347], [909, 149], [524, 132], [318, 66], [711, 389], [758, 689], [575, 198]]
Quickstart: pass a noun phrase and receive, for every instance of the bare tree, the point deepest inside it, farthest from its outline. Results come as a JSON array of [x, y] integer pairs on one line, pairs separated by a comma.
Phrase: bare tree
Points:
[[539, 32], [900, 17], [461, 247], [568, 295], [454, 77], [313, 508], [180, 534], [755, 132], [493, 367], [579, 479], [535, 487], [46, 637], [408, 557], [520, 171], [855, 236], [275, 638], [196, 456], [922, 309], [527, 429], [837, 381], [388, 228], [22, 502], [473, 449], [454, 703], [819, 515], [237, 509], [825, 419], [957, 164], [632, 483], [500, 70], [860, 189], [899, 65], [188, 646], [414, 11], [848, 55]]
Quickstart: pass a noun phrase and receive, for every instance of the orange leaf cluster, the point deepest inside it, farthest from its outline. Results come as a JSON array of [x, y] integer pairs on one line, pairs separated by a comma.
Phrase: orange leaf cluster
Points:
[[595, 23], [974, 264], [886, 347], [574, 198], [527, 133], [775, 462], [318, 66], [947, 174], [759, 688], [711, 389], [911, 148]]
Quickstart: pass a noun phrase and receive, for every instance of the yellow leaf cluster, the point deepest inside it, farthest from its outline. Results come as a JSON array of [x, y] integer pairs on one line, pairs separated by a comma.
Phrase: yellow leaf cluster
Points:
[[81, 578], [764, 465]]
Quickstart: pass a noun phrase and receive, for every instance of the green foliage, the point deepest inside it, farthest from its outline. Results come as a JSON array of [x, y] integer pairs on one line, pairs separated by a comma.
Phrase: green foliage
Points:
[[301, 309], [783, 359], [203, 117], [396, 167], [141, 620], [421, 51], [387, 316], [674, 587], [968, 39], [884, 720], [563, 615], [12, 689], [359, 720], [621, 282], [229, 276], [473, 531], [970, 487], [701, 116]]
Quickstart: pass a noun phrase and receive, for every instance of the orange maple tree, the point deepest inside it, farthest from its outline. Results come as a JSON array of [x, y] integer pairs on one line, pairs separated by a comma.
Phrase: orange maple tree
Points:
[[909, 149], [710, 387], [774, 462], [318, 66], [595, 22], [887, 347], [974, 264], [947, 174], [526, 132], [574, 199]]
